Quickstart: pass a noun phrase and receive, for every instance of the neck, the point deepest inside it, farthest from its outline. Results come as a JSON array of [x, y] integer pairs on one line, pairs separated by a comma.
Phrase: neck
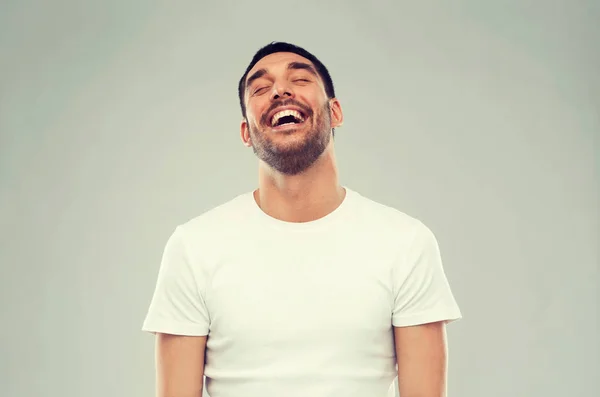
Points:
[[304, 197]]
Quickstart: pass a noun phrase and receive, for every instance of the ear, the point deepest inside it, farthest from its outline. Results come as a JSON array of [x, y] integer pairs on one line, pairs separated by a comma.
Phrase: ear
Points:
[[337, 115], [245, 133]]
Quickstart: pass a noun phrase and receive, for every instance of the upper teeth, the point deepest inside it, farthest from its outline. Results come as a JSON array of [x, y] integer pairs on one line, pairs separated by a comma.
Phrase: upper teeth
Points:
[[284, 113]]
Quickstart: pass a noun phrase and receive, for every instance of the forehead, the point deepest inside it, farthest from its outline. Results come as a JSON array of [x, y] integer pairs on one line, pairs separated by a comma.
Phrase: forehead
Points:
[[278, 62]]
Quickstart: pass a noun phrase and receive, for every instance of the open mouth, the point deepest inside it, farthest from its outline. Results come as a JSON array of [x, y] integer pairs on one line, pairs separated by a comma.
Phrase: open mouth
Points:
[[287, 118]]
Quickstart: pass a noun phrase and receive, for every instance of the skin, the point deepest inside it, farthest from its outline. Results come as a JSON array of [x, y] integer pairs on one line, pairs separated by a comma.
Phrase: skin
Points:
[[316, 191], [422, 356], [179, 365], [305, 188]]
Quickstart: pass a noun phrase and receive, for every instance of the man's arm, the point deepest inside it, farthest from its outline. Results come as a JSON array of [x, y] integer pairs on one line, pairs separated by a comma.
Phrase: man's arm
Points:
[[421, 352], [179, 365]]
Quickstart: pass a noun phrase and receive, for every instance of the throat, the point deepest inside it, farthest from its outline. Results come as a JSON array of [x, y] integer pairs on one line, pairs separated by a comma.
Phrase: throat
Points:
[[298, 207]]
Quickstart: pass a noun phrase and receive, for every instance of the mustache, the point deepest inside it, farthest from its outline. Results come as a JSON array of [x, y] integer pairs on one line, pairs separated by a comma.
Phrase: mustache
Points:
[[286, 102]]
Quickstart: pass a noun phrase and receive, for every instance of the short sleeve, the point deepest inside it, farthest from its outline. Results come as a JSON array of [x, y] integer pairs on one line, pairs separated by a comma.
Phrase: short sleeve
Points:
[[422, 293], [177, 306]]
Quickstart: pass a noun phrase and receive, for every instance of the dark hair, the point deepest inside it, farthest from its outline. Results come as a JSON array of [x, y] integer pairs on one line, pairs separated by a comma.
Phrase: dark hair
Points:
[[274, 47]]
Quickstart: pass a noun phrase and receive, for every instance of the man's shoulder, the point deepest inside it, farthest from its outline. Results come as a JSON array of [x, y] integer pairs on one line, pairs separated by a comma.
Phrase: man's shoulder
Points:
[[376, 211], [224, 215], [393, 224]]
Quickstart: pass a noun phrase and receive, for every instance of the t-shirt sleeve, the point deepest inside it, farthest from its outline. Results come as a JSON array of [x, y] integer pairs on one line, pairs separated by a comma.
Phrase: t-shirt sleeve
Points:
[[422, 293], [177, 306]]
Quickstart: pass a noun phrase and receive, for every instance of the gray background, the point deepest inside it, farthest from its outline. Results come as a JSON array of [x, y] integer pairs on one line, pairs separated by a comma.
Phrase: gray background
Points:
[[119, 120]]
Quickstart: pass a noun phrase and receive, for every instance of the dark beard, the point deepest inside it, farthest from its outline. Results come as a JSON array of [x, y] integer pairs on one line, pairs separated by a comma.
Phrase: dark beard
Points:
[[297, 159]]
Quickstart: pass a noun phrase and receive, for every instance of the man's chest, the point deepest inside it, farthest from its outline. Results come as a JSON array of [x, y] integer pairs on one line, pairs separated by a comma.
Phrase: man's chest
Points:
[[303, 296]]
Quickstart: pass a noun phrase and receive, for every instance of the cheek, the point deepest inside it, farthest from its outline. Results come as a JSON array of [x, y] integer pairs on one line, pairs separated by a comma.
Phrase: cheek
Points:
[[256, 115], [251, 115], [315, 103]]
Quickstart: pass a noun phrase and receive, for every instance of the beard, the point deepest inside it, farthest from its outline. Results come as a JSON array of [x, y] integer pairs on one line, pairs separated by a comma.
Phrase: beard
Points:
[[292, 158]]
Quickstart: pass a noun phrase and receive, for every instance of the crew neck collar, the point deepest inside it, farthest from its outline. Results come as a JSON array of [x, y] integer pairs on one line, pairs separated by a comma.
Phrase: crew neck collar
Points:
[[299, 226]]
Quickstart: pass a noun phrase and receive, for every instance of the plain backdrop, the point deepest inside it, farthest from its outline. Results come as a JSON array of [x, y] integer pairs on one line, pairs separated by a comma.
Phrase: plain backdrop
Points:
[[120, 120]]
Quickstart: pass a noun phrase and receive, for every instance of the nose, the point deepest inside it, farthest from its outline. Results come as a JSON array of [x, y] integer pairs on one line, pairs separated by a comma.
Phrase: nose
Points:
[[281, 90]]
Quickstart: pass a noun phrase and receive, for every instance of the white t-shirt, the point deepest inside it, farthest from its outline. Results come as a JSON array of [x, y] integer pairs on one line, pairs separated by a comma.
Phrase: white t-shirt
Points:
[[300, 309]]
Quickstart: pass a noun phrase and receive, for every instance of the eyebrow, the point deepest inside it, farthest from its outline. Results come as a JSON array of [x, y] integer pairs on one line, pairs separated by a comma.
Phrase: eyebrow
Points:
[[302, 66], [256, 75], [291, 66]]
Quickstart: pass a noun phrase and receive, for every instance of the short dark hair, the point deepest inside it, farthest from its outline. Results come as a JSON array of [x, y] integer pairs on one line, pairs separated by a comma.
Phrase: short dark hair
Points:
[[274, 47]]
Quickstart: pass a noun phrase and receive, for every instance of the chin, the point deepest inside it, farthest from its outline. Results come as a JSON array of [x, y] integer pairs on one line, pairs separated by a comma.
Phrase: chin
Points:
[[291, 144]]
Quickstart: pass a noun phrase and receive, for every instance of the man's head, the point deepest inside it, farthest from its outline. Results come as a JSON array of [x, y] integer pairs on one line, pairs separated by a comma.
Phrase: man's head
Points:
[[288, 106]]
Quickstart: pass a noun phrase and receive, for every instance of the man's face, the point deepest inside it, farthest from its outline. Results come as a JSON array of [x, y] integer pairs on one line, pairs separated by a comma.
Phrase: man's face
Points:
[[288, 115]]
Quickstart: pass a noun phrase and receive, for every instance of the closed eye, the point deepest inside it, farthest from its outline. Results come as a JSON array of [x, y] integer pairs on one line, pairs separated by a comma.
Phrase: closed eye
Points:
[[259, 90]]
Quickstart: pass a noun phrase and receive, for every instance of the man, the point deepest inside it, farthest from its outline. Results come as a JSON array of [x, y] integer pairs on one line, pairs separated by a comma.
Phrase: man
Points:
[[302, 287]]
